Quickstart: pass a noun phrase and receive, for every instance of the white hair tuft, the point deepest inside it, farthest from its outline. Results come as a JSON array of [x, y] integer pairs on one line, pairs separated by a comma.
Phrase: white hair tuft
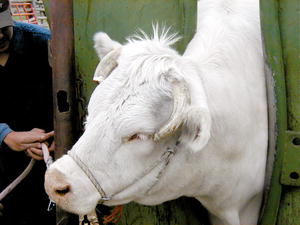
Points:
[[160, 34]]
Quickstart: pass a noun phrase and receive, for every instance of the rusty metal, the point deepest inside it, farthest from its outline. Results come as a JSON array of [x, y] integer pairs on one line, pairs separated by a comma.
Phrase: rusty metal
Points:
[[62, 48]]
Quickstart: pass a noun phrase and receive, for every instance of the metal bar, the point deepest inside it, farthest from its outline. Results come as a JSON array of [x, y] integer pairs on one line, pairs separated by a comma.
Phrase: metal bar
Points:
[[62, 47], [274, 57]]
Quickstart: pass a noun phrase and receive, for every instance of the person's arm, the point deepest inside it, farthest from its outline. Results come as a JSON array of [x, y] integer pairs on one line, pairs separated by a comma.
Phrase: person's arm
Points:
[[4, 131]]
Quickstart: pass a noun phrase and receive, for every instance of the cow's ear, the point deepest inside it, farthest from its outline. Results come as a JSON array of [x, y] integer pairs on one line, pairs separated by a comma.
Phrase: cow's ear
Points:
[[197, 124], [103, 44], [196, 129], [190, 110]]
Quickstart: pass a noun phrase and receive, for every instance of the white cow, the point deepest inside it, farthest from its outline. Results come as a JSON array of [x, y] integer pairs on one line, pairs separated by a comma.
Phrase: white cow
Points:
[[164, 125]]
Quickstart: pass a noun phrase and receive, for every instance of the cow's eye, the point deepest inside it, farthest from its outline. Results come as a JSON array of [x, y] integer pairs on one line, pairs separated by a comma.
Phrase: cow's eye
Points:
[[134, 137]]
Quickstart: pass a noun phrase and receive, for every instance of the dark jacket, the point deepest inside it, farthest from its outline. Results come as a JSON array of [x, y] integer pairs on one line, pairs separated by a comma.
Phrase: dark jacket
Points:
[[26, 103]]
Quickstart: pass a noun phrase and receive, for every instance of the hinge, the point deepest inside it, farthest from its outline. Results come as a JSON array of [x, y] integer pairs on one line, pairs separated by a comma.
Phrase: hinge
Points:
[[81, 101], [290, 173]]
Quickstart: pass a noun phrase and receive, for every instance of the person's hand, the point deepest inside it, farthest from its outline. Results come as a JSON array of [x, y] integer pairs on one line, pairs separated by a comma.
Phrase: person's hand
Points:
[[20, 141], [37, 153]]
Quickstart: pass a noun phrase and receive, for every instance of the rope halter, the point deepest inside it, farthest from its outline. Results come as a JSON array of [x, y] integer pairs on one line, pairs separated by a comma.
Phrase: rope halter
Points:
[[89, 174], [163, 160]]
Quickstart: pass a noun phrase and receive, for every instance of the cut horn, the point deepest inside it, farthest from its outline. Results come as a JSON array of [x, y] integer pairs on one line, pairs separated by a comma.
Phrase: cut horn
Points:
[[107, 65], [181, 98]]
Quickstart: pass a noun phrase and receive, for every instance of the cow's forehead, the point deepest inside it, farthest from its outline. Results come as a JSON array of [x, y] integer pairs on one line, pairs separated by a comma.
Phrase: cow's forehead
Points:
[[122, 105], [134, 76]]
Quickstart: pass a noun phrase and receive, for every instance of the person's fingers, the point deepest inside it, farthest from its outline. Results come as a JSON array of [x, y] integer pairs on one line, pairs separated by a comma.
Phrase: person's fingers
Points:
[[37, 137], [52, 147], [20, 141], [32, 145], [38, 130], [31, 137], [46, 136], [36, 151], [34, 156]]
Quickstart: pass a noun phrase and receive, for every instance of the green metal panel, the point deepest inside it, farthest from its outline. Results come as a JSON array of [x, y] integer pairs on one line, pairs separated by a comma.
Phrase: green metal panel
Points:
[[272, 42], [291, 160], [290, 29], [280, 25], [289, 11]]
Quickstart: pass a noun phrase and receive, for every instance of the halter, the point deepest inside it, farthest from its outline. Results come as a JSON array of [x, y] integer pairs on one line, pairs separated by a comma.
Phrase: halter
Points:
[[164, 160], [89, 174]]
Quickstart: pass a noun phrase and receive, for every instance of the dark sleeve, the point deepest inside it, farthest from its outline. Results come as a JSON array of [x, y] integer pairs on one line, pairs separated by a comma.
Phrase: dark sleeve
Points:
[[38, 77]]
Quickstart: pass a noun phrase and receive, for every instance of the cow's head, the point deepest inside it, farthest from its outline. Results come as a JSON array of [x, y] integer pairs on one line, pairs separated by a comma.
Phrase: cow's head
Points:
[[149, 100]]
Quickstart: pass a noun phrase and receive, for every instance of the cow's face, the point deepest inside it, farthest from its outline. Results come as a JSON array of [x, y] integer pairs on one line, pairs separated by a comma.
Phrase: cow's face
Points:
[[139, 111]]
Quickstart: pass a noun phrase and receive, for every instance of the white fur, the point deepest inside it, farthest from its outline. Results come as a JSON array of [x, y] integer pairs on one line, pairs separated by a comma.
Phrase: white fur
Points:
[[223, 67]]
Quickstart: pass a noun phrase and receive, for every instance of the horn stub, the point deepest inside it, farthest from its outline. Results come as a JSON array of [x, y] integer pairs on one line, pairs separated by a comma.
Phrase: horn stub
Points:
[[181, 98], [107, 65]]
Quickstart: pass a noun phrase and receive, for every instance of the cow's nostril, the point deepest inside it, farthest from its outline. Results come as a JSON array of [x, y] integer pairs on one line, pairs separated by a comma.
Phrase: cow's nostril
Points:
[[62, 191]]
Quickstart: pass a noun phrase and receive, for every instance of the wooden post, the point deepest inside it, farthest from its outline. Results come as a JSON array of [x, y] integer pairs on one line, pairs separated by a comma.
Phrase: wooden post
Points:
[[62, 47]]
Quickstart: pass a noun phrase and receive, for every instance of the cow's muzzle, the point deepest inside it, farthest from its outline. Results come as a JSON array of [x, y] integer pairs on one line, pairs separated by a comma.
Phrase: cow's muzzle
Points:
[[56, 185]]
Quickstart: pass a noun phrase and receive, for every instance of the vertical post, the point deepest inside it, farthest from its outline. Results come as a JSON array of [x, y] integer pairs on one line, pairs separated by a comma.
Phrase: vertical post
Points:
[[62, 48]]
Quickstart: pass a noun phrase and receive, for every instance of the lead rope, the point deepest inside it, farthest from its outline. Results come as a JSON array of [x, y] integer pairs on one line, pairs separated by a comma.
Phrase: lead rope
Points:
[[48, 160], [18, 180]]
